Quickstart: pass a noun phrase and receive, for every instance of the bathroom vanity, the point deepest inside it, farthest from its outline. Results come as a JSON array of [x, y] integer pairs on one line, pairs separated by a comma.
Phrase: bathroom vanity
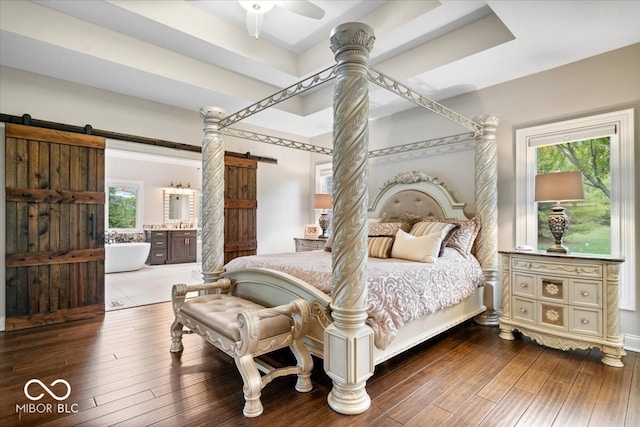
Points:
[[172, 246], [175, 241]]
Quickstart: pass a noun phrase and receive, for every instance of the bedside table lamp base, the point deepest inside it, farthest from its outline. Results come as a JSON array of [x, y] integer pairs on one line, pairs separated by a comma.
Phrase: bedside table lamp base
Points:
[[558, 224], [324, 224]]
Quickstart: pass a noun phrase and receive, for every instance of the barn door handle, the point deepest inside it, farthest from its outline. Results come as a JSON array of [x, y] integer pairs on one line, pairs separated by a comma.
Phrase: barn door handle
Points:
[[92, 225]]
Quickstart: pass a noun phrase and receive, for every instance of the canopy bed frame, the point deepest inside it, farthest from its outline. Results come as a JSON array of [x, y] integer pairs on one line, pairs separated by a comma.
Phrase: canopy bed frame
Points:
[[338, 332]]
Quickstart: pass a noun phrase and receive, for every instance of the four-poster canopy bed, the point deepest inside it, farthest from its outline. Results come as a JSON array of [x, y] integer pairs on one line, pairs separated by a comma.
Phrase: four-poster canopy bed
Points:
[[339, 329]]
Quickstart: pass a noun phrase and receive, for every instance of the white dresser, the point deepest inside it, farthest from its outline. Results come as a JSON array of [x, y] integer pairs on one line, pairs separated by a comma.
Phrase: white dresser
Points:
[[564, 301]]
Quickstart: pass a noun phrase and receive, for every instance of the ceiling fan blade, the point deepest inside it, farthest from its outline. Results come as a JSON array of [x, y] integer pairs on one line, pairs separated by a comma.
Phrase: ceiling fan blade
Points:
[[302, 7], [254, 23]]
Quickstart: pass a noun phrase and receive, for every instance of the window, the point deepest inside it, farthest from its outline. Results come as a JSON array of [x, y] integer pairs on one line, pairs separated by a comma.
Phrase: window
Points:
[[609, 194], [589, 228], [324, 178], [124, 205]]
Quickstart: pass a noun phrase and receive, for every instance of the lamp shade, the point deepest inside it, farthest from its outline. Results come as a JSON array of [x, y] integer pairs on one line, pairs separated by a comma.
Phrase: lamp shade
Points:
[[559, 186], [322, 201]]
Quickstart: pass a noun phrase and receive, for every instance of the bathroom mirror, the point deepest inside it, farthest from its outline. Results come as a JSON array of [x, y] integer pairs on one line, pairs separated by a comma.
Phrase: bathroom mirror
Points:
[[180, 206]]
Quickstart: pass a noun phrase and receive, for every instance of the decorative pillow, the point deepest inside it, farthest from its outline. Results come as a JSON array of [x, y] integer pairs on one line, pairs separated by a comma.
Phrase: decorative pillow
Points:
[[328, 244], [445, 229], [412, 248], [379, 247], [407, 220], [464, 236], [383, 228]]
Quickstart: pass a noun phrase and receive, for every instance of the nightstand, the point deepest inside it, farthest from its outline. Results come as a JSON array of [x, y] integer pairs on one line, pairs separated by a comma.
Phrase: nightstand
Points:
[[303, 245], [564, 301]]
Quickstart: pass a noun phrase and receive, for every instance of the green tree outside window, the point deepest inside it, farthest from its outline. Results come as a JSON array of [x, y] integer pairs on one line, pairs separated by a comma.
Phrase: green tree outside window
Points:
[[122, 207], [590, 219]]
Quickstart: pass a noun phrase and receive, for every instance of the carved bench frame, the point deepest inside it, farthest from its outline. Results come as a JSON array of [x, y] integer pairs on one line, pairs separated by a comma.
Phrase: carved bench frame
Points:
[[251, 344]]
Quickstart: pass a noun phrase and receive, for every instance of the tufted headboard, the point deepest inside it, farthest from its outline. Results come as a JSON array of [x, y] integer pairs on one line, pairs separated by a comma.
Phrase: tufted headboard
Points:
[[416, 193]]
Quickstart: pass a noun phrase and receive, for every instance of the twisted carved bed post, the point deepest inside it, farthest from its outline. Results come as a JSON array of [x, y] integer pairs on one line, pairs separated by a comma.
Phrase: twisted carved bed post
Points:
[[348, 342], [212, 194], [487, 208]]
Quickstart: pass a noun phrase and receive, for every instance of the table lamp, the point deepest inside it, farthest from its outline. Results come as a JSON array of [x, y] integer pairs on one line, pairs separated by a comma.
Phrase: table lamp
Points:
[[323, 201], [557, 187]]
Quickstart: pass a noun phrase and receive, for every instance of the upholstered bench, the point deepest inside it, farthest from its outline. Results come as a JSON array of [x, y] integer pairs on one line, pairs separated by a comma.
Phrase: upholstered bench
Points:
[[245, 330]]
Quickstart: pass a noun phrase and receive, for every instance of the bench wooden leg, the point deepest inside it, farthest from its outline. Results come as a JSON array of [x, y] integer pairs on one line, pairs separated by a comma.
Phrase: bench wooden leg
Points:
[[252, 385], [305, 363], [176, 336]]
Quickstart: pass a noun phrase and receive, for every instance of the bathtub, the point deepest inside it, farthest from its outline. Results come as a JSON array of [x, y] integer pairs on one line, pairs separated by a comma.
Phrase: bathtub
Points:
[[125, 256]]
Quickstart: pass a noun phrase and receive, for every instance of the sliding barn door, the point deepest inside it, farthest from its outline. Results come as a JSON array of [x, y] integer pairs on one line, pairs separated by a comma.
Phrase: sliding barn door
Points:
[[55, 226], [240, 207]]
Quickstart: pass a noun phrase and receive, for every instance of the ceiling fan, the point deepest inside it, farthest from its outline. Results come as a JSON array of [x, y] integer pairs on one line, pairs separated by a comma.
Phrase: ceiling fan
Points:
[[256, 10]]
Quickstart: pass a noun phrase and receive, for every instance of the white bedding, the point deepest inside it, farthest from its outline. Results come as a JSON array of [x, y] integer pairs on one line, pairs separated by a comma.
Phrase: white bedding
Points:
[[399, 290]]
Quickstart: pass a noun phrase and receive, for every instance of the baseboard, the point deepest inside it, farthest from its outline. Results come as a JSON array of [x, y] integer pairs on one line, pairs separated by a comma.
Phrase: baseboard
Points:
[[632, 343], [2, 321]]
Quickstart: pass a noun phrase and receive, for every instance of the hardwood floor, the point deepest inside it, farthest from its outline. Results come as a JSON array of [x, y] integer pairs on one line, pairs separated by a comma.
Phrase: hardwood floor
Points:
[[121, 373]]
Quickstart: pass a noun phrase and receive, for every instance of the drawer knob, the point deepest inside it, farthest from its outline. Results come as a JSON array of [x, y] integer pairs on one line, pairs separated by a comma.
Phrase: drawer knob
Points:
[[524, 285], [523, 310], [585, 293], [585, 321]]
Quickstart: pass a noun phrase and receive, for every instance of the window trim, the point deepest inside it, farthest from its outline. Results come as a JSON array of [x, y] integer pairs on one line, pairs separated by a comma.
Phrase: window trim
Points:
[[622, 186]]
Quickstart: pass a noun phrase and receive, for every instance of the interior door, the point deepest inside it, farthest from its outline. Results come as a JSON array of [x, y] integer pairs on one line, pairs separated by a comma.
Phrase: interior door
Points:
[[55, 226], [240, 207]]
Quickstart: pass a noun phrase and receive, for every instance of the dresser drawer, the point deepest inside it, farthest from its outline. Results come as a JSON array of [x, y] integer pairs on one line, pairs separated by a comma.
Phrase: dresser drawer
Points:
[[524, 310], [158, 234], [586, 321], [554, 289], [303, 245], [553, 316], [158, 256], [586, 293], [531, 265], [524, 285], [184, 234]]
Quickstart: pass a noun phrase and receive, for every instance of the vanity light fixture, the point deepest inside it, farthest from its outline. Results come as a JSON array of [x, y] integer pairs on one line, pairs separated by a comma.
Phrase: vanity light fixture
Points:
[[179, 189]]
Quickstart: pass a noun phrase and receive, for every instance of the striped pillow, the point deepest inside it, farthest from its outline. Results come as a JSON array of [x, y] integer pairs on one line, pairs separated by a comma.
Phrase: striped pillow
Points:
[[464, 236], [445, 230], [379, 247]]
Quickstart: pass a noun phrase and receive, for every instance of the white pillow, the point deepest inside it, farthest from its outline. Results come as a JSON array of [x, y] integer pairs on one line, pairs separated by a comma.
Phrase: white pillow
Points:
[[421, 249]]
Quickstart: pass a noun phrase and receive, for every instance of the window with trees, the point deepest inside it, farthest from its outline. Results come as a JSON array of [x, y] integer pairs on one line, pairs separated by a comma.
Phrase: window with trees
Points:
[[590, 219], [124, 205], [602, 148]]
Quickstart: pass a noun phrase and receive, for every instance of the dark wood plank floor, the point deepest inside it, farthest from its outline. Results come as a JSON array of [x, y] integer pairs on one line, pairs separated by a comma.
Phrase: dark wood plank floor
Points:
[[121, 373]]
